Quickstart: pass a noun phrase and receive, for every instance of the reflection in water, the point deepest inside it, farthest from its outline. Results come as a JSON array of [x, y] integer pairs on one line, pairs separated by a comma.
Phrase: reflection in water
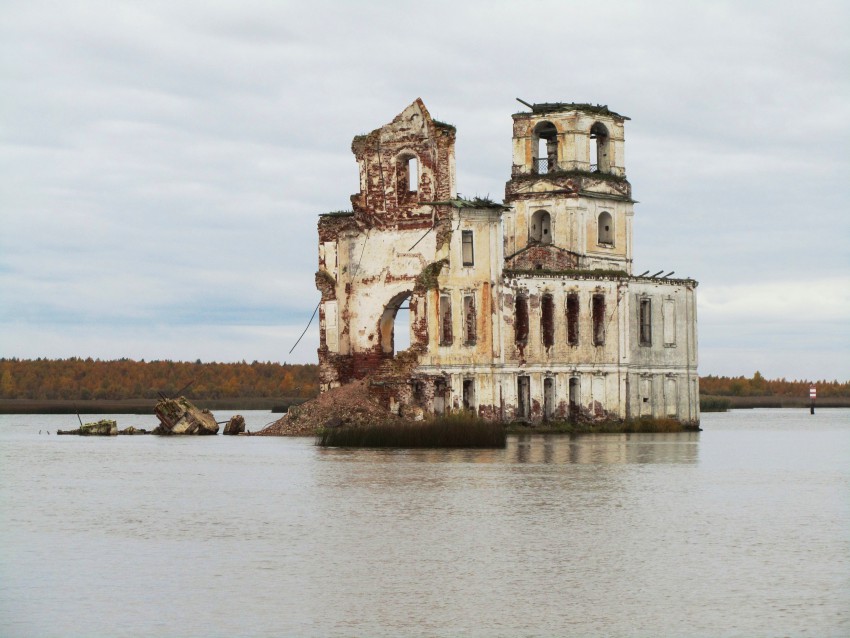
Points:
[[604, 448], [681, 447]]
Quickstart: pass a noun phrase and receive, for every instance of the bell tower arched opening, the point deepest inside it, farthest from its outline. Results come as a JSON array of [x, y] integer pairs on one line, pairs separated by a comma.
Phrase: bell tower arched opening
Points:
[[599, 147], [545, 142]]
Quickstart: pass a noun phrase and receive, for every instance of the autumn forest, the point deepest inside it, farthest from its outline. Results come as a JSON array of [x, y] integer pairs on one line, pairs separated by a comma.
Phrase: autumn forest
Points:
[[83, 379]]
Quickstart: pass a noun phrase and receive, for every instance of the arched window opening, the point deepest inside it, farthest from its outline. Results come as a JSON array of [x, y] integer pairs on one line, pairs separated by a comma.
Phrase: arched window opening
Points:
[[599, 148], [395, 324], [606, 229], [545, 148], [541, 227], [521, 320]]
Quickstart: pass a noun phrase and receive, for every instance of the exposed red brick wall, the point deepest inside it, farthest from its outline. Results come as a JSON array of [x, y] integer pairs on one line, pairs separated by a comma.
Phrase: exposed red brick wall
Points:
[[540, 257]]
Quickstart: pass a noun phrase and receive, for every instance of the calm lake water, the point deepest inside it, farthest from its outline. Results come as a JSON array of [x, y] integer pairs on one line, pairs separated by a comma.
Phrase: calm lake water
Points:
[[740, 530]]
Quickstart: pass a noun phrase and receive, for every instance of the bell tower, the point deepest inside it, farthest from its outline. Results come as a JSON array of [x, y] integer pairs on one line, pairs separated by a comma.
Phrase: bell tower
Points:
[[571, 204]]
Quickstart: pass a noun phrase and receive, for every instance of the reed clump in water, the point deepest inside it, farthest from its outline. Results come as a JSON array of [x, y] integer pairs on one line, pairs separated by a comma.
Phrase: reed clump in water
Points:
[[462, 430], [714, 404]]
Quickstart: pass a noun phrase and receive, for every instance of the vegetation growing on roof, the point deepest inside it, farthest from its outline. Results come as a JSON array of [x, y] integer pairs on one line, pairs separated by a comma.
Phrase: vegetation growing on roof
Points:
[[444, 125], [606, 177], [553, 107], [571, 272], [337, 213]]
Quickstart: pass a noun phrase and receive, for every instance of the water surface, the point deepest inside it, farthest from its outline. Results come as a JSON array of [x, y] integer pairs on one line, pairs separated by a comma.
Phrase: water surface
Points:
[[741, 530]]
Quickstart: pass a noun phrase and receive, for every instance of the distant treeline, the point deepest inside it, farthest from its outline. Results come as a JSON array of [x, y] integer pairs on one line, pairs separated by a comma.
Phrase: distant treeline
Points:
[[83, 379], [758, 386]]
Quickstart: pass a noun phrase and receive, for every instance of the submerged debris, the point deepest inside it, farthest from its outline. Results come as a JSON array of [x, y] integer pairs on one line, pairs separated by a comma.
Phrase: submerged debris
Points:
[[131, 430], [104, 427], [180, 416], [235, 426]]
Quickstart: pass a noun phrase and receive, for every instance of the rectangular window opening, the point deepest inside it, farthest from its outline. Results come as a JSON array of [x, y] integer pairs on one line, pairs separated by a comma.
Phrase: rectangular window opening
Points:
[[669, 320], [446, 336], [521, 320], [645, 322], [466, 243], [547, 321], [523, 397], [572, 319], [598, 320], [468, 394], [469, 320], [548, 398]]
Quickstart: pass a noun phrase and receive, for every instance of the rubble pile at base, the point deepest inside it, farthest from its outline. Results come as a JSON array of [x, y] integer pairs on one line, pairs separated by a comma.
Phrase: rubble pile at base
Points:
[[350, 404]]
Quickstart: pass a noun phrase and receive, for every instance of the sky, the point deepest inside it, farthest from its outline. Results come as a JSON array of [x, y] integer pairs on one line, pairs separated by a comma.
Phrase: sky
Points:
[[163, 164]]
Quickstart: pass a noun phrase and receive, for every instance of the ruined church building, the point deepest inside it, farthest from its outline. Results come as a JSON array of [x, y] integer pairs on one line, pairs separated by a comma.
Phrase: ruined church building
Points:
[[522, 311]]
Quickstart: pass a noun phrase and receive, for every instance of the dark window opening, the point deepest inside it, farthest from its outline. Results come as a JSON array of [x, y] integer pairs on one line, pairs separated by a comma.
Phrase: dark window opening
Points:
[[446, 337], [548, 398], [547, 321], [521, 320], [572, 319], [440, 389], [574, 398], [468, 394], [466, 244], [645, 322], [523, 397], [598, 320], [469, 319]]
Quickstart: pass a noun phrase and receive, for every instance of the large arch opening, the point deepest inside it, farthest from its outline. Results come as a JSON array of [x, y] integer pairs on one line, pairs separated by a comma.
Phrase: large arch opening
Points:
[[545, 148], [395, 324]]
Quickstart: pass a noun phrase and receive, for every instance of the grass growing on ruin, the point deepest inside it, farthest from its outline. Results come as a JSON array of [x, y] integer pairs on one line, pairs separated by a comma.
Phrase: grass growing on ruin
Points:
[[461, 430]]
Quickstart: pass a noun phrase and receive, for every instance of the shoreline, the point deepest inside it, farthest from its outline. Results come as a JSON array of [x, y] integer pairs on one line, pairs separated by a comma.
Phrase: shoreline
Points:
[[145, 406], [137, 406]]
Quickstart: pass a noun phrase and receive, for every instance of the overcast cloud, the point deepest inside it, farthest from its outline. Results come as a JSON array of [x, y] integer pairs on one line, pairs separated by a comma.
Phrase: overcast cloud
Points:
[[163, 163]]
